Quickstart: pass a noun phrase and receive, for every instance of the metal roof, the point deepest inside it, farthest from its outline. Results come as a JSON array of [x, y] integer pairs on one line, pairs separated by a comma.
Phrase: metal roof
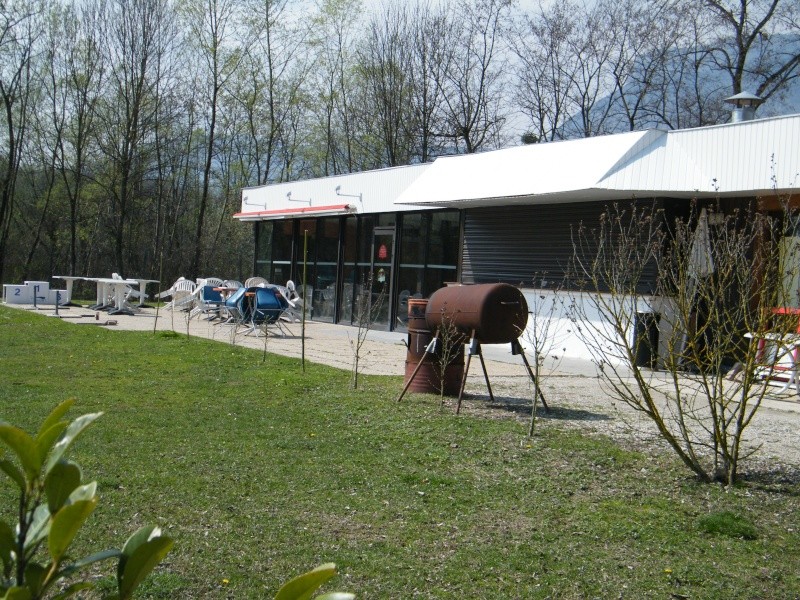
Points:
[[356, 193], [751, 158]]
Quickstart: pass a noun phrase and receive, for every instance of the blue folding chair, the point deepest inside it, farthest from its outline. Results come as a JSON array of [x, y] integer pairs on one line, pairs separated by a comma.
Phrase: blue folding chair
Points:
[[238, 310], [268, 307], [209, 302]]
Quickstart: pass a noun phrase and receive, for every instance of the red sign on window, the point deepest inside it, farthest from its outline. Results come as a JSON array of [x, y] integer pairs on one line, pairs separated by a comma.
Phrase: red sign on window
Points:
[[383, 252]]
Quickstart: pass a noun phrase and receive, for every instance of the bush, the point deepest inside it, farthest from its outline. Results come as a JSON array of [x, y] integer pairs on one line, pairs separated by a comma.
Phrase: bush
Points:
[[54, 503]]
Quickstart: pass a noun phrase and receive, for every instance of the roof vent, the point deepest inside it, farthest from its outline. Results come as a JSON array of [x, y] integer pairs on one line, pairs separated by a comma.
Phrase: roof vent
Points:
[[745, 105]]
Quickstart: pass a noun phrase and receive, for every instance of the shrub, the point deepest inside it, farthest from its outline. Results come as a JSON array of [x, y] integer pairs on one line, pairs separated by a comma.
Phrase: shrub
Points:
[[54, 503]]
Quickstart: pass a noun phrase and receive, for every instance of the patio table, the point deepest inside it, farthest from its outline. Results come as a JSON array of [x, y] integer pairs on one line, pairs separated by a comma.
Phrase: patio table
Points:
[[70, 280]]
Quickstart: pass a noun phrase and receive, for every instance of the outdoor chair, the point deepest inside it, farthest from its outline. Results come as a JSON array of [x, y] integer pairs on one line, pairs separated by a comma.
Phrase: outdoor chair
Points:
[[212, 281], [256, 282], [269, 306], [237, 308], [183, 295], [293, 312], [209, 302]]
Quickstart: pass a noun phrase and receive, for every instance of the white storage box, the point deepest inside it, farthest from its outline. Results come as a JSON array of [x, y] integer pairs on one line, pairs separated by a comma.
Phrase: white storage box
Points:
[[17, 294], [59, 296], [44, 287]]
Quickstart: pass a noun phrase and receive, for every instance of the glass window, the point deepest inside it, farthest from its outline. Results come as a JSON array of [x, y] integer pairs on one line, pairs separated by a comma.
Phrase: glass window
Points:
[[386, 220], [349, 240], [264, 242], [328, 240], [282, 240], [412, 247], [365, 239], [443, 241]]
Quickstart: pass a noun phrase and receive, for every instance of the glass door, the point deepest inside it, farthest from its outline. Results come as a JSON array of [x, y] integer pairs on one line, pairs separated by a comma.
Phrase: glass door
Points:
[[381, 276]]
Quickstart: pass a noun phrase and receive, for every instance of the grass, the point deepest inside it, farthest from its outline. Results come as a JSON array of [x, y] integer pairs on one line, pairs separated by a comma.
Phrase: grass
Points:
[[260, 472]]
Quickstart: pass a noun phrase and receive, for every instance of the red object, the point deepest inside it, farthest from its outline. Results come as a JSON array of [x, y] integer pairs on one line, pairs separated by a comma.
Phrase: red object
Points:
[[383, 252]]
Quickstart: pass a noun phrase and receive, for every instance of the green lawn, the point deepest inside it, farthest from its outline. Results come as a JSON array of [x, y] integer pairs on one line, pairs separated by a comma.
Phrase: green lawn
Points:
[[260, 472]]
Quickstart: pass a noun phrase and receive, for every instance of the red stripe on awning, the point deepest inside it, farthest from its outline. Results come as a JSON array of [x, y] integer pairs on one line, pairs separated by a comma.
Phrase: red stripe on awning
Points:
[[292, 211]]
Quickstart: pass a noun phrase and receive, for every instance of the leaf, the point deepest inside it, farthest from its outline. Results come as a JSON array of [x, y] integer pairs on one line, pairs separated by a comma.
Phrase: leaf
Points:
[[61, 481], [140, 555], [88, 560], [7, 544], [66, 524], [73, 431], [46, 439], [303, 586], [17, 593], [14, 473], [55, 415], [34, 578], [39, 528], [336, 596], [73, 589], [24, 447], [83, 492]]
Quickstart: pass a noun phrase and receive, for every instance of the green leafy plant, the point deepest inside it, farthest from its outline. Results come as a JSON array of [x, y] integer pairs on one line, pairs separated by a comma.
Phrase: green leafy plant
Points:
[[303, 586], [54, 503]]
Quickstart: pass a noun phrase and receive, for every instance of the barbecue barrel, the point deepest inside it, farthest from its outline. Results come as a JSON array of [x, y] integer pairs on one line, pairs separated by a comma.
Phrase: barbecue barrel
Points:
[[497, 313]]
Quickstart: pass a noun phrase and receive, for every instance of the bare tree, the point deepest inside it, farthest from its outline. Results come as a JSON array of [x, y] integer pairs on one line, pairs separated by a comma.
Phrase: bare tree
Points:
[[747, 43], [546, 332], [367, 310], [715, 290], [140, 35], [385, 65], [212, 29], [471, 81], [76, 84], [19, 31]]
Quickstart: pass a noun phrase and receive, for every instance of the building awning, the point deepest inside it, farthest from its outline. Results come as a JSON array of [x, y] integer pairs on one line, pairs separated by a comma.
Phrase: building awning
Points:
[[284, 213]]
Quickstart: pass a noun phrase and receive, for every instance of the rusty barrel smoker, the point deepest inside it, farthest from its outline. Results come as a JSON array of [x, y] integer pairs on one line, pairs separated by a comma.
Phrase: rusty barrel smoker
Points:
[[495, 313], [427, 378], [492, 313]]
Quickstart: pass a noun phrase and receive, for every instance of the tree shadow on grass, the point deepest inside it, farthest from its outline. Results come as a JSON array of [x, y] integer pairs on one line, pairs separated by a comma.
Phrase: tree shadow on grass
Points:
[[777, 479], [522, 406]]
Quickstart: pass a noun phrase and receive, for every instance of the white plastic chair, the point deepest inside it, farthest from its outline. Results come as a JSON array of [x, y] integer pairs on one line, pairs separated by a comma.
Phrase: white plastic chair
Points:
[[256, 282]]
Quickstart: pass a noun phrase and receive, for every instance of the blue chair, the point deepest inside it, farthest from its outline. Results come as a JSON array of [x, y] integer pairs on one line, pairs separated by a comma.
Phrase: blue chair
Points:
[[209, 302], [238, 310], [269, 305]]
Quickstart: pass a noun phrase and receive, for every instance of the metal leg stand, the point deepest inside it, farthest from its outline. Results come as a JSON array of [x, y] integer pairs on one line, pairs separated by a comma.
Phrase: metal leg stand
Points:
[[485, 373], [473, 343], [429, 349], [517, 349]]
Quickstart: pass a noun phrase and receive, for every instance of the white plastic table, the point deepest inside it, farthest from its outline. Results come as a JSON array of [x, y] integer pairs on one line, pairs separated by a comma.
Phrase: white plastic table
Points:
[[107, 286], [70, 279], [142, 285]]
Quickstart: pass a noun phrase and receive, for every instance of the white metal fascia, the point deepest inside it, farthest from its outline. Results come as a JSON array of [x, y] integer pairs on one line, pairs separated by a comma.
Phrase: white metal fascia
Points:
[[523, 172], [366, 192]]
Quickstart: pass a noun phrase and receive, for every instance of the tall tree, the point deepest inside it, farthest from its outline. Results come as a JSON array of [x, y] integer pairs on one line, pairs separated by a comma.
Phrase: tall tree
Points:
[[19, 33], [472, 83], [755, 43], [211, 25], [140, 34]]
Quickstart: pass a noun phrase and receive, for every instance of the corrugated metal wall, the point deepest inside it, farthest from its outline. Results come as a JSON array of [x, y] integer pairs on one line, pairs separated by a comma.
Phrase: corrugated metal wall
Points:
[[515, 244]]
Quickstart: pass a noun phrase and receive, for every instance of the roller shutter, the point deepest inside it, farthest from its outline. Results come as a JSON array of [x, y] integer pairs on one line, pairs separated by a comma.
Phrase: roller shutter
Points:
[[517, 244]]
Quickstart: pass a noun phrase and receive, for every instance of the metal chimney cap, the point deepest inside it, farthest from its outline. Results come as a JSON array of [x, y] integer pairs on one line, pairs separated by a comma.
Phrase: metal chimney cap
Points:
[[745, 99]]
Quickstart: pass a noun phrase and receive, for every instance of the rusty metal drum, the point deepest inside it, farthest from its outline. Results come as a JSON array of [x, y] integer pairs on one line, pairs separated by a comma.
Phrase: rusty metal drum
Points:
[[497, 313], [428, 379]]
